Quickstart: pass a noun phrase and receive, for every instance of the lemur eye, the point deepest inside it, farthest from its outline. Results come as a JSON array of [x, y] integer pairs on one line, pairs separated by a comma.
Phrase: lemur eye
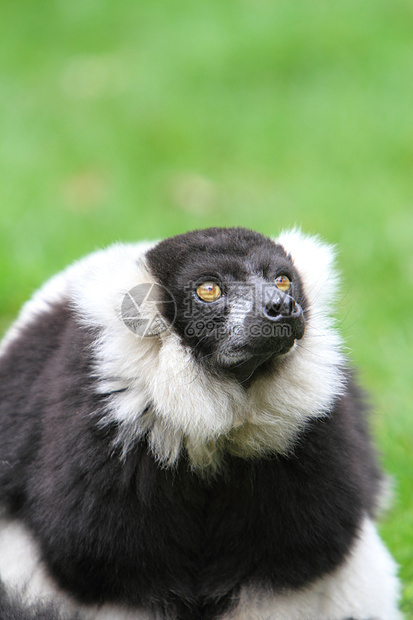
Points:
[[208, 291], [283, 283]]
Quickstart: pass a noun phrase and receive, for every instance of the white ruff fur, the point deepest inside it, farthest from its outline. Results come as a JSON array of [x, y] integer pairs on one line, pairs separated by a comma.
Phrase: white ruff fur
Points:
[[172, 398], [365, 587], [188, 406]]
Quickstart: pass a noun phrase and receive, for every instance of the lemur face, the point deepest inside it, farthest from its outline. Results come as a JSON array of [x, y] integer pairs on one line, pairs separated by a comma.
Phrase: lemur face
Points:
[[238, 299]]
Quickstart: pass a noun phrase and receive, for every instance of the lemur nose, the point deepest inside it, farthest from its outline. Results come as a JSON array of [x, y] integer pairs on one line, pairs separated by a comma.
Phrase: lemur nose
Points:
[[279, 306]]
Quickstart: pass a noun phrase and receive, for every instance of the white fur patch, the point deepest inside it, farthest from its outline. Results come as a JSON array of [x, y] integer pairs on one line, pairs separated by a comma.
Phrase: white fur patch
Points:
[[25, 576], [364, 588], [21, 569]]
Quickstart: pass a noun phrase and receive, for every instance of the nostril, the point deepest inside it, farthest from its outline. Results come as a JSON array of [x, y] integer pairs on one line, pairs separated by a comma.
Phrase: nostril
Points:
[[280, 307], [273, 309]]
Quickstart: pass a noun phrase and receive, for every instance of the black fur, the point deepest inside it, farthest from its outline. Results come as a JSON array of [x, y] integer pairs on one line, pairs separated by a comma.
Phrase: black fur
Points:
[[138, 534]]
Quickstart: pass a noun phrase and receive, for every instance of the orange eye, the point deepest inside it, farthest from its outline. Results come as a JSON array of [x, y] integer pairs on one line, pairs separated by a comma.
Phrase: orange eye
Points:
[[283, 283], [208, 291]]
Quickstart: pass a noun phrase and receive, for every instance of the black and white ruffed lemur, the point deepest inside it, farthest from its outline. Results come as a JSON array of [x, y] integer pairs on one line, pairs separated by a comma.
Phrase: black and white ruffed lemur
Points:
[[181, 438]]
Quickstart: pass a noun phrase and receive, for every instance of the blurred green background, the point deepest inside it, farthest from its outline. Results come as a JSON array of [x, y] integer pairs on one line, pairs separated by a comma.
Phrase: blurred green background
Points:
[[138, 120]]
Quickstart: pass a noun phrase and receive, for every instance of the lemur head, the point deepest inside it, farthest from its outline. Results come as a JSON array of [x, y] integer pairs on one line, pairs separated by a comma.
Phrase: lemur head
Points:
[[233, 348], [238, 300]]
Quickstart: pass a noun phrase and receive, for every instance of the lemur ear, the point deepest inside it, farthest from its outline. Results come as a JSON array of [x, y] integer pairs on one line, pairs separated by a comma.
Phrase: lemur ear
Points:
[[315, 262]]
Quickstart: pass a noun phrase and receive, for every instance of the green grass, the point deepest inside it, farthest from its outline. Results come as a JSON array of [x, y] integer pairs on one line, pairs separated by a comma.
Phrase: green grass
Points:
[[124, 121]]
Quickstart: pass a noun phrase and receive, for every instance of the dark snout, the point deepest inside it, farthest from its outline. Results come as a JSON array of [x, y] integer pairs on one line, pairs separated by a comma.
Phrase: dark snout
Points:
[[281, 310], [277, 304], [270, 331]]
